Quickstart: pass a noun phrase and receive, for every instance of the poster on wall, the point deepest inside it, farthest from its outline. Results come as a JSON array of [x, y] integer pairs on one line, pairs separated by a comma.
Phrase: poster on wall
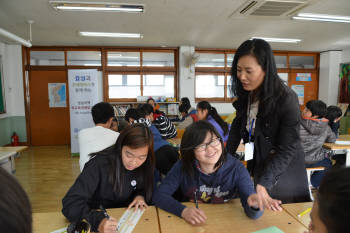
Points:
[[57, 95], [344, 74], [299, 89], [83, 94], [2, 93], [305, 77]]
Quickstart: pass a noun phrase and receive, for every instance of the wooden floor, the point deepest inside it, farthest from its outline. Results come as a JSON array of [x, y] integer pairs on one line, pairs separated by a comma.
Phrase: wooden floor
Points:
[[46, 173]]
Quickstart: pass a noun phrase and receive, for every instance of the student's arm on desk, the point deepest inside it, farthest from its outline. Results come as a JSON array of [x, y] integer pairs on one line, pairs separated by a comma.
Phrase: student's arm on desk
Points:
[[247, 194], [163, 199], [75, 203], [162, 196]]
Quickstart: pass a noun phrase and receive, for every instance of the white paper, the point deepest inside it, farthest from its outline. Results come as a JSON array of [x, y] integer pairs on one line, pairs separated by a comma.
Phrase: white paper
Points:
[[248, 151], [128, 221], [342, 142]]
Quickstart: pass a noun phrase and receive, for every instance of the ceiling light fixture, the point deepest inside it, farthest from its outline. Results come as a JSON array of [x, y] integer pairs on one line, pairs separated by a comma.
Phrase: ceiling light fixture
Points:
[[323, 18], [97, 6], [112, 34], [279, 40]]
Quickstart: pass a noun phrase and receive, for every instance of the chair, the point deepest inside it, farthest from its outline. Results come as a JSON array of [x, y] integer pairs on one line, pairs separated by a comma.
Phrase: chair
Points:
[[309, 172]]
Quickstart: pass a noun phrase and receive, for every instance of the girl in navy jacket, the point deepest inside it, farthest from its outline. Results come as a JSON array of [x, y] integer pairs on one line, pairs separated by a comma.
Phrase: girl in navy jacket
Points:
[[206, 173]]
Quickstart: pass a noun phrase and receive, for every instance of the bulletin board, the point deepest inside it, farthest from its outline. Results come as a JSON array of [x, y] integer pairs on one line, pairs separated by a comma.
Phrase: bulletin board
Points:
[[2, 94]]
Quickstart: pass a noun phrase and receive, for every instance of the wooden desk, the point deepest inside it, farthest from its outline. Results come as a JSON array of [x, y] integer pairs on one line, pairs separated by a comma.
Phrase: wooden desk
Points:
[[47, 222], [297, 208], [7, 156], [340, 147], [229, 217]]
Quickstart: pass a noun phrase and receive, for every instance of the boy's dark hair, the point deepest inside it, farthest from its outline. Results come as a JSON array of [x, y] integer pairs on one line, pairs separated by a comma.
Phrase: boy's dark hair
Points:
[[212, 112], [131, 113], [333, 198], [333, 112], [102, 112], [193, 136], [144, 110], [16, 212], [317, 107]]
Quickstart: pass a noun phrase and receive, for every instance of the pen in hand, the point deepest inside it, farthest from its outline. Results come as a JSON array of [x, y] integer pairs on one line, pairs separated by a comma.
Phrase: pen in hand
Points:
[[195, 199], [104, 211]]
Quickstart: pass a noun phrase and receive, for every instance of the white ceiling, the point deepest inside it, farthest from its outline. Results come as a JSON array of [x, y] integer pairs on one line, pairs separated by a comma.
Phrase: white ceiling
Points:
[[201, 23]]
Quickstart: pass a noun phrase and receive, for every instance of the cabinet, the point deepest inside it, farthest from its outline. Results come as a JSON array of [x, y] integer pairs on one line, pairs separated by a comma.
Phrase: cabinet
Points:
[[169, 108]]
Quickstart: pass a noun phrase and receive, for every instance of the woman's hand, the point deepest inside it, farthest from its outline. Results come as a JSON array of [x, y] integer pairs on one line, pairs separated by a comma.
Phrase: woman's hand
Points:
[[108, 225], [265, 201], [138, 202], [193, 215]]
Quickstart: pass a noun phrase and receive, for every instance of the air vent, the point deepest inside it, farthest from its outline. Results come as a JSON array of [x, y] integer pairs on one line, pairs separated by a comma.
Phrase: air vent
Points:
[[270, 7]]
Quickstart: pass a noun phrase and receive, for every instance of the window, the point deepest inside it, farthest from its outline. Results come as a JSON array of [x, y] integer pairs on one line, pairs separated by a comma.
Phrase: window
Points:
[[47, 58], [84, 58], [141, 72], [213, 75], [302, 62]]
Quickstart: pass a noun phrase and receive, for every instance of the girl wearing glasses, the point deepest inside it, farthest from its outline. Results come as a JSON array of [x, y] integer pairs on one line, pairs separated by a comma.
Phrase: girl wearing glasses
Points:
[[205, 173], [119, 176]]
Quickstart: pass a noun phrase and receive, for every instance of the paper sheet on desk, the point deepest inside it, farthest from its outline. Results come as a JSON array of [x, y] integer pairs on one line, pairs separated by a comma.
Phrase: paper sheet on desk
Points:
[[62, 230], [272, 229], [129, 220], [342, 142]]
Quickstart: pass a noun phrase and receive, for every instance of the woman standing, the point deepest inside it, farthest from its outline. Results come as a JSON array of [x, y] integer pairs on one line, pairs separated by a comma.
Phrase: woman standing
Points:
[[206, 112], [269, 110], [119, 176]]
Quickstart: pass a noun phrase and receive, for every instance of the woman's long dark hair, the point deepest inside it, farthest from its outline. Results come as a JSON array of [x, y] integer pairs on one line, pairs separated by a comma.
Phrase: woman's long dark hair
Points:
[[193, 136], [272, 87], [134, 136], [212, 112], [333, 198]]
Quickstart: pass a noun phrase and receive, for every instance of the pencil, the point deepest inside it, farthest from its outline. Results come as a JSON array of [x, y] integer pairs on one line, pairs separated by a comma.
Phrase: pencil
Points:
[[304, 212], [195, 199]]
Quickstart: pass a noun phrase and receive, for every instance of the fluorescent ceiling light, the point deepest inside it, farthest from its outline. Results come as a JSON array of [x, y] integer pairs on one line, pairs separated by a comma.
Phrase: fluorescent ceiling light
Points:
[[280, 40], [322, 17], [97, 6], [112, 34]]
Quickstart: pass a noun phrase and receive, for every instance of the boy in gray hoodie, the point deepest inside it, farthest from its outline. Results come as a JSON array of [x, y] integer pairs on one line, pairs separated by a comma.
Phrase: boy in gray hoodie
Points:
[[314, 132]]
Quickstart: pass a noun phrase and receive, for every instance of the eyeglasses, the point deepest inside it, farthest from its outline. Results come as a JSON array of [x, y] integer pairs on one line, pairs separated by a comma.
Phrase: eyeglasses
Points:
[[213, 143]]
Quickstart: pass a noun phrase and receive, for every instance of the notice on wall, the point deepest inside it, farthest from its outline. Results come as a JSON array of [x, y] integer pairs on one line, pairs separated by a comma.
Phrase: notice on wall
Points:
[[299, 89], [83, 94], [305, 77], [57, 95]]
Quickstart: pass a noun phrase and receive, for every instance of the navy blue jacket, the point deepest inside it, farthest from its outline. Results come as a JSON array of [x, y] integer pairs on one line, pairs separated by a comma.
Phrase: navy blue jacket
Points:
[[229, 181]]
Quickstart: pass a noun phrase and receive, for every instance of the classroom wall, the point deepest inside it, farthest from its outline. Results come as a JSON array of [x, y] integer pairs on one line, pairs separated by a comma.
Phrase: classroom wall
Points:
[[329, 77], [346, 56], [14, 118]]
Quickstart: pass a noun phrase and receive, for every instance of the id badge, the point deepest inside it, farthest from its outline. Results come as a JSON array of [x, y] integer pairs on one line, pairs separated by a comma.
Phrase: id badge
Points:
[[248, 151]]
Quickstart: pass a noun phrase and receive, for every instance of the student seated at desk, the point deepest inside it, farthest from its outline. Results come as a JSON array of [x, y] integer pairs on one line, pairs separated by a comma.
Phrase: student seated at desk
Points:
[[206, 112], [119, 176], [314, 132], [331, 208], [334, 115], [189, 114], [205, 173]]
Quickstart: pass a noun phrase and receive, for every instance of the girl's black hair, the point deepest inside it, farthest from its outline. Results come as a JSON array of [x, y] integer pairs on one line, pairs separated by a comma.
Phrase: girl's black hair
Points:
[[134, 136], [131, 113], [272, 87], [16, 212], [333, 112], [205, 105], [185, 105], [193, 136], [333, 198]]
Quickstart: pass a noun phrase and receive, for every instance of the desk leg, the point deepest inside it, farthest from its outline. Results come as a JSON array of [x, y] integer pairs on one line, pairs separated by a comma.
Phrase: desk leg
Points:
[[347, 159], [12, 161]]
